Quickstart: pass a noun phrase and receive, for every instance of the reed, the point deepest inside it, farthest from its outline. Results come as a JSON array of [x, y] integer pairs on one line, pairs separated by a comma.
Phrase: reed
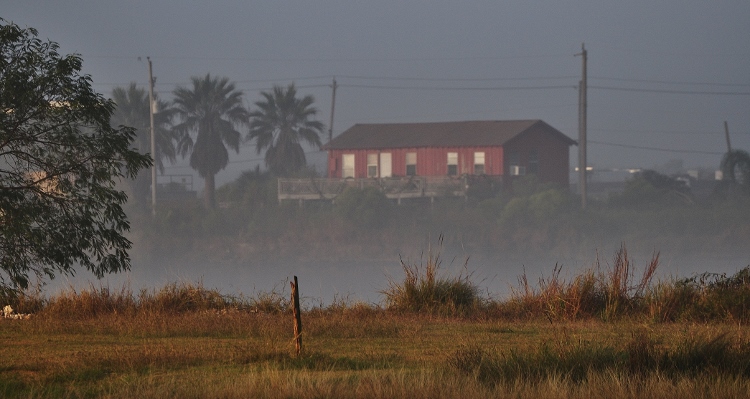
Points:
[[423, 289]]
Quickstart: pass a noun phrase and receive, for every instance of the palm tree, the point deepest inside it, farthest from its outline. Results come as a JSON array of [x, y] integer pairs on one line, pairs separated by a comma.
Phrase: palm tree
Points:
[[279, 124], [211, 110], [133, 110], [735, 165]]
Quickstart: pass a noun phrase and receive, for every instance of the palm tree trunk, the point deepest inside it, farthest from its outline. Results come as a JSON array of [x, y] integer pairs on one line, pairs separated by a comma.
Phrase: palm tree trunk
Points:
[[209, 192]]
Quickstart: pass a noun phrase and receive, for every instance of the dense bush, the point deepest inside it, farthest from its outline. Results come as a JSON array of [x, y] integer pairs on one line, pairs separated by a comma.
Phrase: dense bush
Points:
[[533, 217], [254, 189], [708, 296], [366, 207], [423, 290], [649, 188]]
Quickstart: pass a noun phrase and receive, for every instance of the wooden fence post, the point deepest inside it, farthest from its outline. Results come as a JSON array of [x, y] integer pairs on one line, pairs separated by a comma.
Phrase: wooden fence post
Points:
[[297, 317]]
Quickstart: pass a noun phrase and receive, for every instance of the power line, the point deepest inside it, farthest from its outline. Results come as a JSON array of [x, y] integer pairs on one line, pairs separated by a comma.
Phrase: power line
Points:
[[332, 59], [637, 147], [451, 79], [258, 159], [463, 88], [673, 82], [505, 88], [677, 132], [718, 93], [457, 88]]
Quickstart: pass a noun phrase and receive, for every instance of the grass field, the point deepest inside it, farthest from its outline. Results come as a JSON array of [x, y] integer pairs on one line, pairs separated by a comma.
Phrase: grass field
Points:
[[601, 334]]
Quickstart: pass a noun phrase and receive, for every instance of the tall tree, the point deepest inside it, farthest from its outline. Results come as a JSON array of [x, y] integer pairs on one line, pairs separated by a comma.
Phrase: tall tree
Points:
[[211, 110], [279, 126], [735, 166], [60, 160], [133, 110]]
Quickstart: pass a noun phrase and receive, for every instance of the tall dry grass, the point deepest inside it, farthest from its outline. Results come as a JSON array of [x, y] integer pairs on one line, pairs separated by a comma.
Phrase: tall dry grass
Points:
[[716, 355], [595, 293], [418, 384], [424, 289], [705, 297], [608, 291], [187, 341]]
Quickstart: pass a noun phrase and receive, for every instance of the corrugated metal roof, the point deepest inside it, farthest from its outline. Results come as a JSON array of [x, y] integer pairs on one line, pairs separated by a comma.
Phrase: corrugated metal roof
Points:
[[437, 134]]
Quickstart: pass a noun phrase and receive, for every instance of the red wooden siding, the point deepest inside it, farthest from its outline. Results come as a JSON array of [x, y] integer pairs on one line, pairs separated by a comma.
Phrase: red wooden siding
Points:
[[553, 155], [430, 161], [502, 142]]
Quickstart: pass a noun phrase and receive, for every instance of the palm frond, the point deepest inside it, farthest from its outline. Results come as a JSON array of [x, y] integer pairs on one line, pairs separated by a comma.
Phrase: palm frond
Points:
[[279, 124]]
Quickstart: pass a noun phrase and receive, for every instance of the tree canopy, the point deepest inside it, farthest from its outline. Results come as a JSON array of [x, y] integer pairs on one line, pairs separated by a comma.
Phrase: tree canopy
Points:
[[280, 124], [211, 110], [735, 166], [133, 110], [60, 163]]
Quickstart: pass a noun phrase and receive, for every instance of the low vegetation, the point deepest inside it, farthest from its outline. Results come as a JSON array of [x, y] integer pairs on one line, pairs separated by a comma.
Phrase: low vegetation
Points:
[[422, 290], [602, 333], [652, 211]]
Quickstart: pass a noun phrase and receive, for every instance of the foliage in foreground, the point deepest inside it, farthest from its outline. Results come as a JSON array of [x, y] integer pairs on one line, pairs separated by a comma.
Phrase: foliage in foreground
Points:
[[184, 341], [641, 355], [422, 290], [597, 294], [601, 334], [60, 206]]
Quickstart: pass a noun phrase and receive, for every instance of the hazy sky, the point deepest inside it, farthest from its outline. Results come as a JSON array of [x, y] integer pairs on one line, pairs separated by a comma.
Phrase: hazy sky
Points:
[[663, 75]]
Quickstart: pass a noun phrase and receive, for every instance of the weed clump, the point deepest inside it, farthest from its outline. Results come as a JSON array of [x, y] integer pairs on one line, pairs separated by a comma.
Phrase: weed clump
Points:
[[422, 290], [175, 298], [704, 297], [594, 293], [181, 298], [714, 356]]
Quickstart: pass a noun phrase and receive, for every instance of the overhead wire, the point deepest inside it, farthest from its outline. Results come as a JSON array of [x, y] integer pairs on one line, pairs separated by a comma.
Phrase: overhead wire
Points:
[[638, 147], [343, 83], [665, 91], [670, 82]]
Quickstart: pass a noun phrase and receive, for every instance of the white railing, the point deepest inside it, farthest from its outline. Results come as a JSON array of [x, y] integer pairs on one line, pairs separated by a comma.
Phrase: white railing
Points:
[[394, 188]]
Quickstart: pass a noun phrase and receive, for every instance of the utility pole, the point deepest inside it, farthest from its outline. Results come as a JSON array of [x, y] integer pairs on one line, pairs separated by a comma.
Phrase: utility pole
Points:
[[153, 140], [330, 125], [333, 106], [726, 133], [582, 163]]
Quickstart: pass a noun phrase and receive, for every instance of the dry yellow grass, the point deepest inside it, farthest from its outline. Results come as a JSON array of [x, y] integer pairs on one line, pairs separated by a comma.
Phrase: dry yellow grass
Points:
[[601, 334], [349, 352]]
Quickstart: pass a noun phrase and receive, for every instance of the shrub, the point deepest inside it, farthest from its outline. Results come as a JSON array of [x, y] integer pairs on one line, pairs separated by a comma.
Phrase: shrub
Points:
[[423, 290], [367, 207], [577, 361], [649, 187], [609, 294], [707, 296]]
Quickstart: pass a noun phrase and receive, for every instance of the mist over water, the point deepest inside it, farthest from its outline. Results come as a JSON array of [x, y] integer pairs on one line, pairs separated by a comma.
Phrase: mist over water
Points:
[[362, 279]]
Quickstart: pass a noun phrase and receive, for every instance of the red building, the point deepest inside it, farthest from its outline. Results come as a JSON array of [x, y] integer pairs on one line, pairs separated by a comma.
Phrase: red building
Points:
[[494, 148]]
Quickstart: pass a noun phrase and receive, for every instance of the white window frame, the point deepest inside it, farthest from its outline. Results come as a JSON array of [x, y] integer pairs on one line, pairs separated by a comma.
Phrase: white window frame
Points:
[[386, 165], [479, 161], [348, 166], [452, 160], [372, 165], [411, 160]]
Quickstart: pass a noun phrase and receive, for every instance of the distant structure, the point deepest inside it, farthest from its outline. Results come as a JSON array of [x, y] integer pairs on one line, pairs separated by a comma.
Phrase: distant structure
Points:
[[506, 149], [433, 160]]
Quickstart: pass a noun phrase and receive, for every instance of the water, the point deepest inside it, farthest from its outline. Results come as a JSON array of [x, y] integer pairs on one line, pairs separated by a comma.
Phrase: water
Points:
[[322, 282]]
